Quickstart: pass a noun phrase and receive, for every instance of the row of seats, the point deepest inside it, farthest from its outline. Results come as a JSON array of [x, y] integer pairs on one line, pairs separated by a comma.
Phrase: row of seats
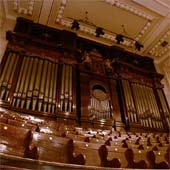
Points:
[[75, 145]]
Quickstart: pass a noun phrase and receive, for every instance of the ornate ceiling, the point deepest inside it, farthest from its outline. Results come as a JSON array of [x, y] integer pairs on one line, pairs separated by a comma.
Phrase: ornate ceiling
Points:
[[146, 21]]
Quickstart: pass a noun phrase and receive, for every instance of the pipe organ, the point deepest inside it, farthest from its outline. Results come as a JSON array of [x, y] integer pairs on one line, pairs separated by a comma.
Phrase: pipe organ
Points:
[[100, 109], [164, 104], [131, 110], [7, 74], [100, 104], [147, 108], [51, 77], [66, 93], [36, 85]]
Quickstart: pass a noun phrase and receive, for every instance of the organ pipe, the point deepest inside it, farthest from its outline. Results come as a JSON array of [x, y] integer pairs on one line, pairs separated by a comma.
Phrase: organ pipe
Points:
[[146, 106], [100, 109], [8, 75], [54, 87], [66, 103], [24, 88], [164, 106], [36, 86], [129, 101], [5, 68]]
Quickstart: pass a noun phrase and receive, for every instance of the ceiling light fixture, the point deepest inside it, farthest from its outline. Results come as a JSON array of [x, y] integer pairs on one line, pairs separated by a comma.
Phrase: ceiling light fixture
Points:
[[75, 25], [119, 38], [99, 31], [138, 46]]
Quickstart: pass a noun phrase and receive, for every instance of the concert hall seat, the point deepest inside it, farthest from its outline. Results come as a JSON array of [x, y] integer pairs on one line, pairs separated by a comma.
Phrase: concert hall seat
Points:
[[152, 162], [131, 163], [3, 119], [103, 153], [12, 139], [90, 151], [51, 148], [167, 156], [22, 124]]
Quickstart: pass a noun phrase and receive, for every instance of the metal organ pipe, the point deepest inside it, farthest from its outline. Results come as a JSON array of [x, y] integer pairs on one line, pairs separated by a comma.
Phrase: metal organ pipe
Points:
[[9, 69], [50, 88], [24, 83], [156, 111], [8, 61], [164, 106], [37, 83], [70, 89], [126, 99], [7, 75], [129, 101], [137, 99], [145, 107], [100, 108], [66, 96], [46, 97], [55, 86], [148, 105], [20, 83], [42, 86], [152, 106], [43, 80], [62, 89], [133, 111], [34, 88], [16, 57]]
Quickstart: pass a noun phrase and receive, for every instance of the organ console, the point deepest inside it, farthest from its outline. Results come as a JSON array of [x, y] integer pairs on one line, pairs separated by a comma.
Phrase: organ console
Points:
[[93, 85]]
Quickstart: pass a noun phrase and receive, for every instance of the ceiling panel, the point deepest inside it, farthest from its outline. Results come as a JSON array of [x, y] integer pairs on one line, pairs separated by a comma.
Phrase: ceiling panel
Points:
[[110, 18]]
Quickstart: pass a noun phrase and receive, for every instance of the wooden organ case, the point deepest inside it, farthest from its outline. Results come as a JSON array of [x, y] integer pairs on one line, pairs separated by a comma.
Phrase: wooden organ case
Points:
[[98, 91], [56, 74]]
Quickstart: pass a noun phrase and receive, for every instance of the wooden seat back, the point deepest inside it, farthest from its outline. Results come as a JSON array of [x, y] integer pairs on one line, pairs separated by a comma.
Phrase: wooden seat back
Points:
[[131, 163], [90, 151], [117, 151], [22, 124], [167, 156], [3, 119], [12, 139], [51, 148], [30, 151], [152, 162], [54, 148], [77, 137], [103, 153]]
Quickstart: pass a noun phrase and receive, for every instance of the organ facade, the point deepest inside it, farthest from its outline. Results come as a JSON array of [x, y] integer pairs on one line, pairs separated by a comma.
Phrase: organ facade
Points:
[[56, 74]]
